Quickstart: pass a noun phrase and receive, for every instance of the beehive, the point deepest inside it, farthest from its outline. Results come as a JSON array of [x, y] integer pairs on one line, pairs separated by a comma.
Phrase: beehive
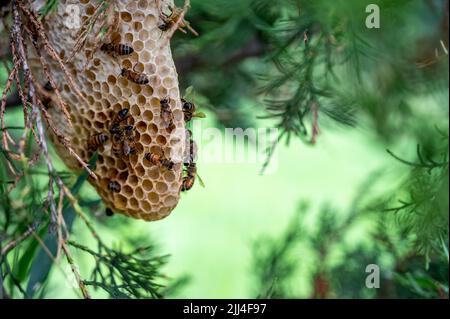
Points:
[[148, 191]]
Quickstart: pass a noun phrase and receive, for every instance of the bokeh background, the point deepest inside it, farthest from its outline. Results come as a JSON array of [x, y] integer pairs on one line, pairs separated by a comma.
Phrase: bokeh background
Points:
[[309, 228]]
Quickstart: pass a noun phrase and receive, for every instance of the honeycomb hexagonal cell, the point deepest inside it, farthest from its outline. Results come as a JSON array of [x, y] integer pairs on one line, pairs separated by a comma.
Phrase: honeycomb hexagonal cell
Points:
[[128, 183]]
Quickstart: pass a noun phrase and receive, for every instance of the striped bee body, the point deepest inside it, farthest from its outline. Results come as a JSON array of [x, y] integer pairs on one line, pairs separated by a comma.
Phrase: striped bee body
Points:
[[138, 78], [116, 49], [96, 140]]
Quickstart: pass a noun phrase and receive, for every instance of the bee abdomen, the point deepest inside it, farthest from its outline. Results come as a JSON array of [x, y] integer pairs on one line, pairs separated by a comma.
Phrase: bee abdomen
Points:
[[142, 79], [96, 140], [123, 49], [188, 183]]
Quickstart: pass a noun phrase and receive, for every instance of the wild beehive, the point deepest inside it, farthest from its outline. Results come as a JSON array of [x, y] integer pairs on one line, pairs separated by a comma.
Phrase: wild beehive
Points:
[[145, 190]]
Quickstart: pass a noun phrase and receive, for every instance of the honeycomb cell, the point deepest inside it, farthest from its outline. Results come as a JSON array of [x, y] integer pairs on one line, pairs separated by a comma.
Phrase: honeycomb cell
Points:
[[141, 126], [153, 173], [127, 191], [150, 22], [131, 6], [97, 96], [145, 206], [90, 100], [153, 197], [123, 176], [142, 4], [170, 200], [120, 201], [147, 185], [126, 16], [96, 62], [168, 82], [160, 59], [150, 45], [90, 75], [137, 89], [153, 129], [121, 165], [90, 10], [129, 37], [146, 139], [99, 126], [91, 114], [112, 173], [126, 105], [169, 176], [140, 170], [105, 88], [161, 140], [162, 91], [164, 70], [112, 79], [137, 26], [109, 161], [161, 188], [139, 193], [155, 81], [135, 110], [134, 203], [143, 35], [133, 180], [147, 116], [117, 91]]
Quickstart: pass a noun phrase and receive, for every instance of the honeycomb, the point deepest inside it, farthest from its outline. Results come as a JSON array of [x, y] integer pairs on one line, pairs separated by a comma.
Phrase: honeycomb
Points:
[[145, 191]]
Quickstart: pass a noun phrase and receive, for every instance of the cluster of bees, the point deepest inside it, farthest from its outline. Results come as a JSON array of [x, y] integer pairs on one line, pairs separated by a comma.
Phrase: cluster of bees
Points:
[[124, 143], [122, 135]]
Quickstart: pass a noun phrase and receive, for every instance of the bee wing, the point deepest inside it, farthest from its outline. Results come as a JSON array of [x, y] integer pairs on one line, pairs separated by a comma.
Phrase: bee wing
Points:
[[200, 115], [189, 92], [202, 184]]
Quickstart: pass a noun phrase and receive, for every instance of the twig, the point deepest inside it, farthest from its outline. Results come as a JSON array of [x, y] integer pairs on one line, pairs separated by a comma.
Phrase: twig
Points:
[[15, 242], [75, 271], [315, 125]]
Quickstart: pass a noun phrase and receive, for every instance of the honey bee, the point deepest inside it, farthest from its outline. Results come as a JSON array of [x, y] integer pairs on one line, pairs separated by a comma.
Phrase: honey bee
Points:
[[189, 111], [170, 20], [138, 78], [129, 141], [159, 160], [96, 140], [189, 179], [190, 165], [114, 49], [119, 117], [192, 147], [166, 113], [113, 186]]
